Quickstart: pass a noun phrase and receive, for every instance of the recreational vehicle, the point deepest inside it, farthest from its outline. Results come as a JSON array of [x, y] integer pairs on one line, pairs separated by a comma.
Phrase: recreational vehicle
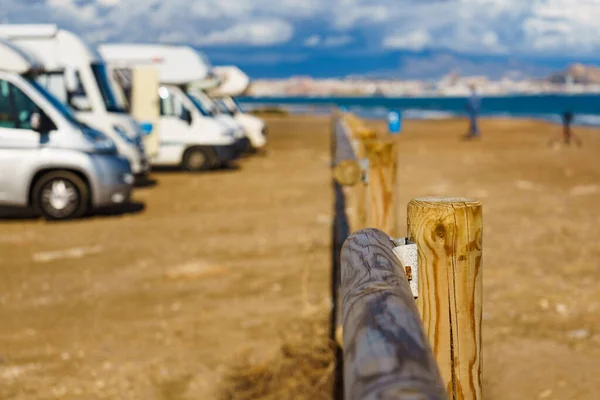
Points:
[[77, 75], [189, 135], [49, 160], [234, 83]]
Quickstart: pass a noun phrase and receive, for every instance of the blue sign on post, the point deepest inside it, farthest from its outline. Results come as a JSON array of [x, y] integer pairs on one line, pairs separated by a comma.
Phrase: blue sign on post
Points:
[[146, 127], [394, 122]]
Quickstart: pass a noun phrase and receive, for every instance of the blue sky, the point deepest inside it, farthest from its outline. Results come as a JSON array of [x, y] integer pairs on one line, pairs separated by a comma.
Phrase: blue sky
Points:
[[339, 37]]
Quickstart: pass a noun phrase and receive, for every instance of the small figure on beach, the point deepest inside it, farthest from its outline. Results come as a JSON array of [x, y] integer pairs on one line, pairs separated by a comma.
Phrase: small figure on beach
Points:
[[473, 108], [567, 133]]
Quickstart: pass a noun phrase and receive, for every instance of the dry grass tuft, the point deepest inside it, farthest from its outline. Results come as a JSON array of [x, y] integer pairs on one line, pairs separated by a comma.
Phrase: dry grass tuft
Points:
[[302, 369]]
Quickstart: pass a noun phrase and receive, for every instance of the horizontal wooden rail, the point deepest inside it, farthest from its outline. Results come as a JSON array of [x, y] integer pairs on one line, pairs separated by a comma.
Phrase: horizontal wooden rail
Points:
[[382, 188], [344, 165], [386, 351]]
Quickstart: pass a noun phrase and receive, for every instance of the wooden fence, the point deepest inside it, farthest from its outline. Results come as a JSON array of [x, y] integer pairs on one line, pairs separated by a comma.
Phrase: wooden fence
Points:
[[389, 345]]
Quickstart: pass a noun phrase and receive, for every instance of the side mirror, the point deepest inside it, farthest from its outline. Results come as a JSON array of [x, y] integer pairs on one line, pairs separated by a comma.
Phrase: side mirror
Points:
[[71, 81], [40, 122], [81, 103], [186, 115]]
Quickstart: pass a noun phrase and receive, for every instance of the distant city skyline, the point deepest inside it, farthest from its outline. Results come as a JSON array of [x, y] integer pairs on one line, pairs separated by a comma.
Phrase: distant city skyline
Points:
[[401, 38], [577, 79]]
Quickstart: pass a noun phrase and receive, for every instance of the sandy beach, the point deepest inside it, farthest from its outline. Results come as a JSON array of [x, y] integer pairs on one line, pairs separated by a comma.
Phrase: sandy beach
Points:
[[205, 270]]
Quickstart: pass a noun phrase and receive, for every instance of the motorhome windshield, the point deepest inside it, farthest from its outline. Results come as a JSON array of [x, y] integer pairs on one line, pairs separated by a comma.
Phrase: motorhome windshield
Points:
[[199, 105], [208, 102], [61, 107], [223, 107], [232, 104], [111, 101]]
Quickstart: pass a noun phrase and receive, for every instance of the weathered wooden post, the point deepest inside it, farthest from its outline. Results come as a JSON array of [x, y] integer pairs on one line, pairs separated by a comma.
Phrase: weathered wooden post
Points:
[[386, 352], [382, 213], [358, 219], [360, 135], [448, 233]]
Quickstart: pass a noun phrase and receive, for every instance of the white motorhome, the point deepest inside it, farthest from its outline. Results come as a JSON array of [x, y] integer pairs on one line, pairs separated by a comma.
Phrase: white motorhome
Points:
[[234, 83], [76, 74], [189, 136], [48, 159]]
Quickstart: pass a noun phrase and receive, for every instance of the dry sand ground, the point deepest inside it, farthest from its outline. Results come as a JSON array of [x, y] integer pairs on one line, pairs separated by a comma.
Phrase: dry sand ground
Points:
[[157, 303]]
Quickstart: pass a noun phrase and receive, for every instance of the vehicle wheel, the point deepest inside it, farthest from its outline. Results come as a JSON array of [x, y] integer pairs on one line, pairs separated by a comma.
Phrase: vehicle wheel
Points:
[[60, 195], [198, 159]]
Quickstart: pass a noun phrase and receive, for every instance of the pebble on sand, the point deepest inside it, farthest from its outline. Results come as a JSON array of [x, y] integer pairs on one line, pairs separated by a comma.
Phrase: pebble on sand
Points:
[[579, 334], [194, 270], [584, 190], [562, 309], [524, 185]]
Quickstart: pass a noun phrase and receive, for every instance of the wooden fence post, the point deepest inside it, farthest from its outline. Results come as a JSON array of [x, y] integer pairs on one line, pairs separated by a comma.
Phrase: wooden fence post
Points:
[[359, 193], [381, 185], [448, 233]]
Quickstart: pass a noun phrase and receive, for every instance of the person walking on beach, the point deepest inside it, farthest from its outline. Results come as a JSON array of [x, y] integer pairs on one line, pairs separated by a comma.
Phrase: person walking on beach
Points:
[[567, 133], [473, 108]]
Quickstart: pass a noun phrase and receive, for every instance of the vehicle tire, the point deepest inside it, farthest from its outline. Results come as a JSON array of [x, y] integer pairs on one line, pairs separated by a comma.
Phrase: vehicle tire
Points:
[[199, 159], [60, 195]]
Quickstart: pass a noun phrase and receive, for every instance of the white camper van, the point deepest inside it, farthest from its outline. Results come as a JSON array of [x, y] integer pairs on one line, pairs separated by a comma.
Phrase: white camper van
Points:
[[189, 136], [76, 74], [234, 82], [48, 159], [211, 109]]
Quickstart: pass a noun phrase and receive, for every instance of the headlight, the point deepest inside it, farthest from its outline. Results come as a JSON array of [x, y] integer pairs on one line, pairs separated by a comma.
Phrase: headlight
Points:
[[100, 141], [128, 178], [121, 132]]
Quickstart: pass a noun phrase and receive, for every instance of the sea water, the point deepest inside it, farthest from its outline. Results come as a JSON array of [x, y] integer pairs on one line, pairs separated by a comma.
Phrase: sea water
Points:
[[586, 107]]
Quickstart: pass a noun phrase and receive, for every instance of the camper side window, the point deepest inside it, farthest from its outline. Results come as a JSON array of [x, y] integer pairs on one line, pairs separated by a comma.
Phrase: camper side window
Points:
[[78, 98], [15, 107], [24, 107], [167, 105], [172, 106], [56, 83], [6, 115]]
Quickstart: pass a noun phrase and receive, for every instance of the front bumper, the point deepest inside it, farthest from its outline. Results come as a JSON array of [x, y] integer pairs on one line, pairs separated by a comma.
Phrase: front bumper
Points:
[[243, 145], [112, 180], [258, 138], [140, 167], [227, 153]]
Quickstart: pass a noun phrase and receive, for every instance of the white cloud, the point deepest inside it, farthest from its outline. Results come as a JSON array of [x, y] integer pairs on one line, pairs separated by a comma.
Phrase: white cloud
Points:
[[109, 3], [353, 14], [173, 37], [416, 40], [329, 41], [498, 26], [256, 33], [556, 27], [313, 41]]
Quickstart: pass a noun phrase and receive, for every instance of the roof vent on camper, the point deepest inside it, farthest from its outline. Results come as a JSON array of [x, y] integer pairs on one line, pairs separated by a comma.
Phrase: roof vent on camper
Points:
[[10, 31]]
